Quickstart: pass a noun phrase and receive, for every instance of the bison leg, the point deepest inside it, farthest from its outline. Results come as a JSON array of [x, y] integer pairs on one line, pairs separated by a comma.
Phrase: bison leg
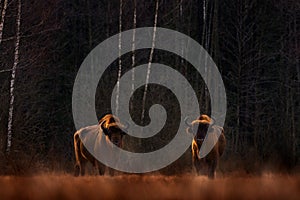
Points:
[[212, 169], [79, 168], [111, 171], [100, 167], [76, 169], [197, 166], [82, 167], [80, 160], [202, 167]]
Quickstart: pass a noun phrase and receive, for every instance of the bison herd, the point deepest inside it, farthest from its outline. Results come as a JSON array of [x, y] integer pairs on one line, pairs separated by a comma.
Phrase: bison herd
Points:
[[109, 132]]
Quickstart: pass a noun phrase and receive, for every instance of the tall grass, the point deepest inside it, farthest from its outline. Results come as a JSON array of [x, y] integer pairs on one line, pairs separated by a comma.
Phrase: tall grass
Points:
[[267, 186]]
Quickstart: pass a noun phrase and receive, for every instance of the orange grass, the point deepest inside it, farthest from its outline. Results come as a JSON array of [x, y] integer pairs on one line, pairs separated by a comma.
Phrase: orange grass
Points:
[[268, 186]]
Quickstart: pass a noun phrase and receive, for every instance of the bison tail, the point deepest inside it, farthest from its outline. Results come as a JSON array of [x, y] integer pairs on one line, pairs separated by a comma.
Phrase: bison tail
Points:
[[77, 147], [222, 143]]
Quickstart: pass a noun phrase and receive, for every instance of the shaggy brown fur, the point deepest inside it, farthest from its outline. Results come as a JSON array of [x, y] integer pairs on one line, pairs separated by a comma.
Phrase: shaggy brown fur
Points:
[[110, 126], [208, 164]]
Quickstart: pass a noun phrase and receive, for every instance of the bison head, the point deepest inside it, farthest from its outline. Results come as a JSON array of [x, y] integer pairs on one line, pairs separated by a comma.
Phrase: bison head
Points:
[[199, 128], [113, 129]]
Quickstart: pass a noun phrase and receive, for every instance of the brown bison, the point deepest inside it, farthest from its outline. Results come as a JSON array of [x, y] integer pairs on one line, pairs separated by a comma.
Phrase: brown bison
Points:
[[108, 131], [208, 164]]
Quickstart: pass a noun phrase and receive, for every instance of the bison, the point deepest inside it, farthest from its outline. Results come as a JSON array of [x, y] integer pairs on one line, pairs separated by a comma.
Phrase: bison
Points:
[[208, 164], [107, 132]]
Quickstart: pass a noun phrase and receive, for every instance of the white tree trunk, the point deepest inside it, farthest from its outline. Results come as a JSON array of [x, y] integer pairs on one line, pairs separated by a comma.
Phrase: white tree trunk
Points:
[[204, 23], [180, 9], [133, 49], [120, 60], [12, 81], [3, 19], [150, 61]]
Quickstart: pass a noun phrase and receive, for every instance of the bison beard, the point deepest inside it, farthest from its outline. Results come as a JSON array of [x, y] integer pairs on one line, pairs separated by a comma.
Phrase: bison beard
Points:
[[208, 164], [108, 131]]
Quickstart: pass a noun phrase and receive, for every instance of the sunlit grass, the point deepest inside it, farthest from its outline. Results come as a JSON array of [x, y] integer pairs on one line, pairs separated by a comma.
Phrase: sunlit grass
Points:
[[267, 186]]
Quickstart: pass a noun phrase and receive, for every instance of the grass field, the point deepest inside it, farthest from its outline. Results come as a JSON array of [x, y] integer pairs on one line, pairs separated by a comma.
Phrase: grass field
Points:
[[267, 186]]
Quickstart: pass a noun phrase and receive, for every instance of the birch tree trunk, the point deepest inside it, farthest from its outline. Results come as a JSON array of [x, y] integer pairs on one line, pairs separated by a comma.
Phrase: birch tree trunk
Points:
[[133, 49], [120, 60], [90, 25], [12, 81], [204, 23], [205, 41], [293, 90], [2, 19], [294, 138], [150, 61]]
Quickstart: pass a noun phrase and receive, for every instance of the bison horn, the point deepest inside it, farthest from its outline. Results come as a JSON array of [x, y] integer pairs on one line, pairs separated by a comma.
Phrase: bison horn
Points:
[[126, 125], [187, 123], [104, 129], [213, 121]]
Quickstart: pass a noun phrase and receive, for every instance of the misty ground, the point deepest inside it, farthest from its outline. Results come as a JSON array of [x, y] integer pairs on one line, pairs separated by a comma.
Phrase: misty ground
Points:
[[65, 186]]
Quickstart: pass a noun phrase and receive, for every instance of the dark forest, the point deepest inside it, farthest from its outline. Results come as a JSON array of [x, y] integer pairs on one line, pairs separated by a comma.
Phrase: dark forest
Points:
[[255, 45]]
